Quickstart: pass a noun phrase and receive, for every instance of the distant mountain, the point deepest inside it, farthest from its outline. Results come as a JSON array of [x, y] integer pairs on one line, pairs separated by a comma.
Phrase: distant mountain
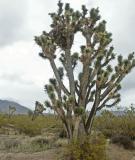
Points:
[[116, 113], [4, 107]]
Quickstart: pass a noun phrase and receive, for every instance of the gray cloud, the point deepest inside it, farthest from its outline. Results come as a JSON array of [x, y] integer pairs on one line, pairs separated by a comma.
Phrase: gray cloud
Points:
[[12, 20], [129, 82], [24, 94], [15, 78]]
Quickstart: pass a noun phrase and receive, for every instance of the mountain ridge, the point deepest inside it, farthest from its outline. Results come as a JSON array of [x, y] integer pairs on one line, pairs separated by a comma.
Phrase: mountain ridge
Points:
[[20, 109]]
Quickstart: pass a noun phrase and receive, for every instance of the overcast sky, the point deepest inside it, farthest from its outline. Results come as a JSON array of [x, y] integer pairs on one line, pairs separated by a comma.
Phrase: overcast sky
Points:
[[23, 73]]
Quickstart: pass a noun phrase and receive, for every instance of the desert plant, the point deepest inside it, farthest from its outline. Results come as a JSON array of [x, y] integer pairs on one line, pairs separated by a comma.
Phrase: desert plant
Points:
[[98, 82], [125, 141], [40, 141], [112, 125], [24, 125], [39, 109], [87, 148], [11, 111], [11, 143]]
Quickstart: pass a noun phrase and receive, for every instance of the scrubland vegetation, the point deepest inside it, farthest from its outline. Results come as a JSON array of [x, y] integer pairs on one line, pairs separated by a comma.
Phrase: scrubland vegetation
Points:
[[111, 125], [19, 134], [23, 124]]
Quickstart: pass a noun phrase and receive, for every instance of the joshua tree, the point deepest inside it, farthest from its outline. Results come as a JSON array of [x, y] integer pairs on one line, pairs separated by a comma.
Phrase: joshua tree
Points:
[[39, 108], [12, 110], [99, 79]]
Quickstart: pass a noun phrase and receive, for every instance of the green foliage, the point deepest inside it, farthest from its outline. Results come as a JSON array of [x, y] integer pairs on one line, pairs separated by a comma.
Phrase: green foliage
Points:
[[87, 148], [25, 125], [26, 144], [111, 125], [79, 110]]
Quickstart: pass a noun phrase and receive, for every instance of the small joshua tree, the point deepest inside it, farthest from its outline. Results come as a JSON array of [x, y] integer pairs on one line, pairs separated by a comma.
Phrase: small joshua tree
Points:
[[98, 82], [39, 109], [11, 111]]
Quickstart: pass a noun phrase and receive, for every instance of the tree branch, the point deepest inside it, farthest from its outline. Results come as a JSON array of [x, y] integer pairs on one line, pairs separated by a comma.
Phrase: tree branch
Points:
[[93, 111], [55, 70], [69, 70]]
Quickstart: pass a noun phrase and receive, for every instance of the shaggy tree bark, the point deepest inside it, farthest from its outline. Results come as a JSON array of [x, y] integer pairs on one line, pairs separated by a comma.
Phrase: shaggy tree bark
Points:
[[98, 82]]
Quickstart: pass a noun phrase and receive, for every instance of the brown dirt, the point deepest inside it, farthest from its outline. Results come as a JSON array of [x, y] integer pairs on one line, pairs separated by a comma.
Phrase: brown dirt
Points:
[[47, 155], [114, 152], [118, 153]]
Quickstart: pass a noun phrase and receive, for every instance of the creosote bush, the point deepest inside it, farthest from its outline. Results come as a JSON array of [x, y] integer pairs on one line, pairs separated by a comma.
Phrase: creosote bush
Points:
[[40, 141], [24, 125], [124, 141], [111, 125], [11, 144], [87, 148]]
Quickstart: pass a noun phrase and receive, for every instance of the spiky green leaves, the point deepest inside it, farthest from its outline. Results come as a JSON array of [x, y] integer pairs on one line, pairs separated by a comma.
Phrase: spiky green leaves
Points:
[[53, 81], [46, 42], [58, 104], [51, 96], [102, 78], [125, 65], [49, 88], [64, 25], [103, 38], [109, 68], [79, 110], [74, 59], [60, 7], [94, 15], [84, 10], [50, 91], [48, 104], [131, 56], [101, 27]]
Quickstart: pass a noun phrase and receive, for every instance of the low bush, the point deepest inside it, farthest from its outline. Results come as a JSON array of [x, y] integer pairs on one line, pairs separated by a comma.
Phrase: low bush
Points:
[[87, 148], [40, 141], [111, 125], [11, 144], [125, 141], [61, 142]]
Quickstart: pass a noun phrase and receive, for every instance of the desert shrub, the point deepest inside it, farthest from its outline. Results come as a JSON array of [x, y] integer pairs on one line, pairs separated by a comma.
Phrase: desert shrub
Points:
[[40, 141], [25, 125], [11, 143], [60, 142], [125, 141], [87, 148], [111, 125], [31, 145]]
